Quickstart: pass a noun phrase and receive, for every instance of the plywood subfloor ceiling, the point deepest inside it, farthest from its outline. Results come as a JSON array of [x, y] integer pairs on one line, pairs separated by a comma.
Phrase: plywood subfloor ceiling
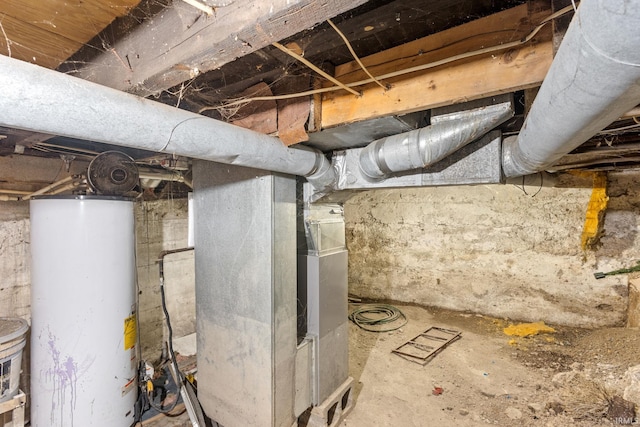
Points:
[[47, 32]]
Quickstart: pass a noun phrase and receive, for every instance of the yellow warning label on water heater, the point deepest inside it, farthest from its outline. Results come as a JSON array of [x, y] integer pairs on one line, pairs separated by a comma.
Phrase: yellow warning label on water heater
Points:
[[130, 332]]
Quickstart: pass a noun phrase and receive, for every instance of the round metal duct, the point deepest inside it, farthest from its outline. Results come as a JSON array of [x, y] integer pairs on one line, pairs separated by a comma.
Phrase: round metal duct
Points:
[[112, 173]]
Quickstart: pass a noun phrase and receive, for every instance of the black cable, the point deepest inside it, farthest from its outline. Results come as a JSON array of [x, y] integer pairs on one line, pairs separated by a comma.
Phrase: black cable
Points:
[[383, 315], [541, 184], [521, 188], [180, 380], [172, 355]]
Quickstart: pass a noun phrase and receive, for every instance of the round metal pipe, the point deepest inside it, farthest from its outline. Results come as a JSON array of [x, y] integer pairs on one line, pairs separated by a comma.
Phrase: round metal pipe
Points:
[[423, 147], [594, 79], [48, 188], [46, 101]]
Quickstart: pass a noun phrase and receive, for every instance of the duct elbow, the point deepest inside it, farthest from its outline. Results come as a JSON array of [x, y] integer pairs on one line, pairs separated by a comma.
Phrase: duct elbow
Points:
[[372, 164], [323, 176], [514, 162]]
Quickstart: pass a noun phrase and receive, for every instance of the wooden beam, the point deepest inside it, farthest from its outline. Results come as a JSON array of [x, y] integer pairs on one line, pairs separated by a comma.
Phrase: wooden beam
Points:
[[464, 80], [371, 31], [600, 155], [181, 42], [381, 23]]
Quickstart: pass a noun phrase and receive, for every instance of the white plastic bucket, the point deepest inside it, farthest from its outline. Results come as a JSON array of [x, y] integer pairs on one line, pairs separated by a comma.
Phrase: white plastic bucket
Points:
[[13, 336]]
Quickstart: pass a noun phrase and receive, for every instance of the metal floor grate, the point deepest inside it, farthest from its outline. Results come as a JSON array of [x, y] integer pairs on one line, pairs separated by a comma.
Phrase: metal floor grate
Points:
[[425, 346]]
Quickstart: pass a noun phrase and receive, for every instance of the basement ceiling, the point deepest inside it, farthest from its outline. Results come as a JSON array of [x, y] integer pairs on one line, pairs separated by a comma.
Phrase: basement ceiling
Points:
[[214, 59], [49, 32]]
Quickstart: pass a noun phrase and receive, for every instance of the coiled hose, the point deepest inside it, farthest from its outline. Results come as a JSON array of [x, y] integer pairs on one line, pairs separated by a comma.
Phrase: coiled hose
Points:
[[374, 317]]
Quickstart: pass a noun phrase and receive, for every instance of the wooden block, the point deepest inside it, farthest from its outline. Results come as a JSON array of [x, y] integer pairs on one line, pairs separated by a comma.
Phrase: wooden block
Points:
[[16, 406]]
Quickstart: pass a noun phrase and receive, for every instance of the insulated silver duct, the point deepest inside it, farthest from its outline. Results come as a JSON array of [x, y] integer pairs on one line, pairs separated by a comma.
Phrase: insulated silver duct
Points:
[[46, 101], [423, 147], [594, 79]]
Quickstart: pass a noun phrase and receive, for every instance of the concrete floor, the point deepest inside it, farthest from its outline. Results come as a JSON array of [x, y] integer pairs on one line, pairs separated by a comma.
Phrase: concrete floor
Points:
[[392, 391], [487, 378]]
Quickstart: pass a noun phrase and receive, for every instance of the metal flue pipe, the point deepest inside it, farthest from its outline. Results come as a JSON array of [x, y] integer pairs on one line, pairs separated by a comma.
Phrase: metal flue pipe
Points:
[[423, 147], [594, 79], [46, 101]]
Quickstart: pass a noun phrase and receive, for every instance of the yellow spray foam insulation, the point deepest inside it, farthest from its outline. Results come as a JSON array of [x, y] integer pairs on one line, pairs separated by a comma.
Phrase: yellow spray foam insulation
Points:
[[595, 211], [528, 329]]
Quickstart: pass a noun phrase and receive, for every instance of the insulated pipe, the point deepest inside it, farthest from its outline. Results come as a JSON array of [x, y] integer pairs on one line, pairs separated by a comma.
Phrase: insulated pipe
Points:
[[67, 187], [162, 175], [46, 101], [48, 188], [594, 79], [423, 147]]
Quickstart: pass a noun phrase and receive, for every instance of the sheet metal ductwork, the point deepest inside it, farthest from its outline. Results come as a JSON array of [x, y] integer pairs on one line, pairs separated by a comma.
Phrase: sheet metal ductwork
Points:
[[423, 147], [594, 79], [46, 101]]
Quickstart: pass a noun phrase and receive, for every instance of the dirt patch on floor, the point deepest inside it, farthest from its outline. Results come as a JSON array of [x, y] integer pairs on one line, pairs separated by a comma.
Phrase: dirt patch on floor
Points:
[[570, 377]]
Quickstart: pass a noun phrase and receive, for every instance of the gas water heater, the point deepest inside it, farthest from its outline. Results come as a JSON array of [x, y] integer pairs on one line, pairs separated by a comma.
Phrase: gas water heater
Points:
[[84, 328]]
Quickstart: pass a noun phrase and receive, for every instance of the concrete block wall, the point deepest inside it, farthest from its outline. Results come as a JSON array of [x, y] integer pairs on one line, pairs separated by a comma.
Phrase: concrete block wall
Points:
[[15, 260], [496, 249], [162, 225]]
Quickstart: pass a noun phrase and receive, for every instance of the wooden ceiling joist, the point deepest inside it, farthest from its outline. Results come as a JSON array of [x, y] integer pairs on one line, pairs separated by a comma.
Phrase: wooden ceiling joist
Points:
[[183, 42], [464, 80]]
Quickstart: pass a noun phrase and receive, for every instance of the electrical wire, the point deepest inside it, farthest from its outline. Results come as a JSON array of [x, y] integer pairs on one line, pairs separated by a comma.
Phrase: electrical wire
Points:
[[373, 317], [172, 406], [620, 129], [314, 68], [172, 355], [353, 53], [423, 67], [525, 191]]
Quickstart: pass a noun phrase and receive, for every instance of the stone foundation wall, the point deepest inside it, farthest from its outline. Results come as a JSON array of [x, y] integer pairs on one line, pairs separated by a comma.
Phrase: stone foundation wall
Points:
[[502, 250]]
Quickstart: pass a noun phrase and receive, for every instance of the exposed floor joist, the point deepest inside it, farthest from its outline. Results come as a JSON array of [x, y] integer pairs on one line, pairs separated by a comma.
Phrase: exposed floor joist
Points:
[[183, 42], [371, 31], [482, 76]]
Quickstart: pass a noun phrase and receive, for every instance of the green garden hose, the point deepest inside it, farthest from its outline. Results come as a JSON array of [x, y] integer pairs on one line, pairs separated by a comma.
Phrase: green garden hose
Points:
[[374, 317]]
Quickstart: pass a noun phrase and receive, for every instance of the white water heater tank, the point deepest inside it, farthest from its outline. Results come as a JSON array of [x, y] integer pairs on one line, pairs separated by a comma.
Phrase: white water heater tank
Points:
[[83, 329]]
